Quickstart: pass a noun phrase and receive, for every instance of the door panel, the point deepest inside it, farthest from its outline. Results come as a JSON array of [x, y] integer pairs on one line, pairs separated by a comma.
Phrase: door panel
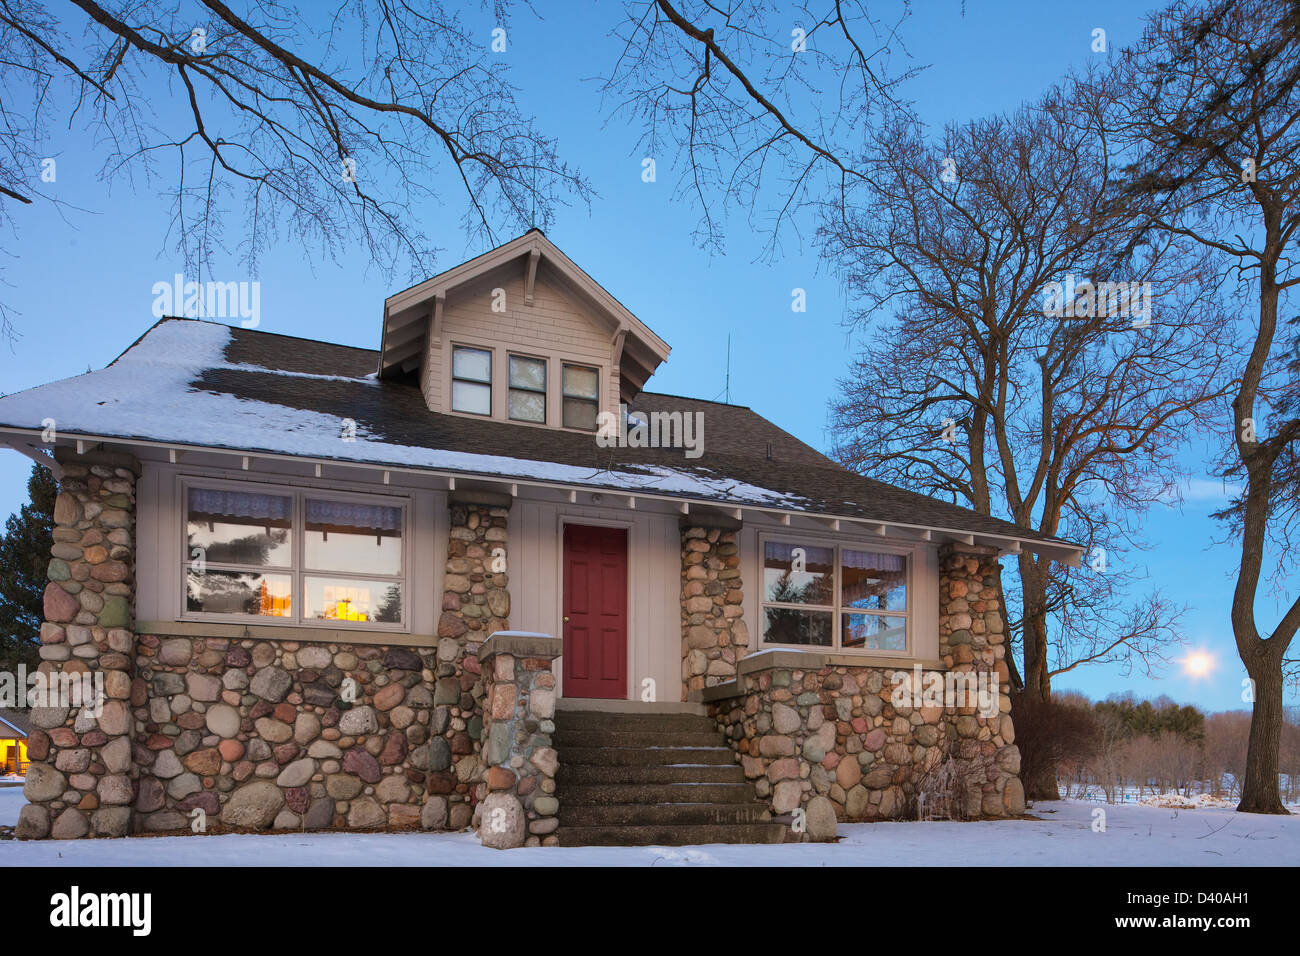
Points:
[[595, 612]]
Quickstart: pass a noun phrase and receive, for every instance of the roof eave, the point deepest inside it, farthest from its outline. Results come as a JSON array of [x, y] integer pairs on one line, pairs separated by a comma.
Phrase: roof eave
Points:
[[1008, 543]]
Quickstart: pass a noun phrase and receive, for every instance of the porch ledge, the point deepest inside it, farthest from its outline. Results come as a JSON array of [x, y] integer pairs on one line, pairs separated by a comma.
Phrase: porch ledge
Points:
[[810, 660], [803, 660], [520, 644], [281, 632]]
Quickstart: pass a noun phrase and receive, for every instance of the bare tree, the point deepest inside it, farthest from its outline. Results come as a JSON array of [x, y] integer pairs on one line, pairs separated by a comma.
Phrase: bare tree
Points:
[[336, 127], [762, 105], [778, 111], [988, 380], [1107, 765], [1227, 737], [1289, 757], [1216, 112]]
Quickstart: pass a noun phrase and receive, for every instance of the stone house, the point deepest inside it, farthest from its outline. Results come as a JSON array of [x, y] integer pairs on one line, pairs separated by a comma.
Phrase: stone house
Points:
[[483, 577]]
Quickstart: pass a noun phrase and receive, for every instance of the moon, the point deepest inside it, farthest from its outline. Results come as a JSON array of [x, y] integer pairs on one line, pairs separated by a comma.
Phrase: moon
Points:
[[1198, 664]]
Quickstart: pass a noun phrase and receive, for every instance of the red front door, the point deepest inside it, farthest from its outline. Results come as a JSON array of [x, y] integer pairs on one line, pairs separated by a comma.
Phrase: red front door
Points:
[[595, 612]]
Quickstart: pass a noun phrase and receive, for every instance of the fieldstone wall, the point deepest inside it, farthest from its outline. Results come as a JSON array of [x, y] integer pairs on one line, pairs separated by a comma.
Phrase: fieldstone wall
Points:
[[806, 727], [81, 777], [714, 635], [205, 734], [520, 806], [287, 735], [475, 604], [972, 639]]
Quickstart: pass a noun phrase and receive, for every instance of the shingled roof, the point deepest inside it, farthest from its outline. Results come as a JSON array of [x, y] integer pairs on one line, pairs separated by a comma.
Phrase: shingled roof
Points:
[[195, 383], [15, 724]]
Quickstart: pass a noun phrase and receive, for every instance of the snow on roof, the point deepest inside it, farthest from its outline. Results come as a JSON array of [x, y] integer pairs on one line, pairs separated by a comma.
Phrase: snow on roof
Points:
[[150, 393]]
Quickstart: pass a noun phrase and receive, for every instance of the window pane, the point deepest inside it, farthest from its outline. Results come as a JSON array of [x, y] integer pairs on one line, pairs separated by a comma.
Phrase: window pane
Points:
[[873, 581], [784, 625], [527, 406], [579, 413], [239, 527], [474, 364], [527, 373], [798, 573], [353, 536], [580, 382], [238, 592], [874, 632], [467, 397], [340, 599]]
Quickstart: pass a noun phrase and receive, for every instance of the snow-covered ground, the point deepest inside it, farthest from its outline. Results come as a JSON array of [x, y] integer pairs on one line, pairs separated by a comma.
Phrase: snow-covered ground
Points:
[[1134, 836]]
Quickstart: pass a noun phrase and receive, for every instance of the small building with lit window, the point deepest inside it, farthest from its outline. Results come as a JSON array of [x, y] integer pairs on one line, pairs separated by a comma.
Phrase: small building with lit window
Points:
[[14, 727]]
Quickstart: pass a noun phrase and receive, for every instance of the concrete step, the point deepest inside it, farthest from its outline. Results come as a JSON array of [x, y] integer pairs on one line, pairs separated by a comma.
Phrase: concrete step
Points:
[[633, 722], [578, 774], [606, 794], [663, 777], [647, 756], [566, 738], [671, 834], [644, 814], [586, 705]]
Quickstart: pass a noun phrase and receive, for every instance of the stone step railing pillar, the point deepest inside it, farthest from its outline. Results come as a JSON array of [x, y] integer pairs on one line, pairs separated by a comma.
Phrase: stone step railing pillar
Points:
[[518, 720], [82, 777]]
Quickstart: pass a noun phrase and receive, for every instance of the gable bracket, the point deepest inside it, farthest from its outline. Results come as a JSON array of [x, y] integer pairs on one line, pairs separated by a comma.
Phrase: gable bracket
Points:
[[435, 329], [530, 276], [39, 456]]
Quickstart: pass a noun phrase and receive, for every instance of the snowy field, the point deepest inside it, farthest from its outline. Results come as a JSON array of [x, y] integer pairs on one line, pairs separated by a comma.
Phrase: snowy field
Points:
[[1135, 836]]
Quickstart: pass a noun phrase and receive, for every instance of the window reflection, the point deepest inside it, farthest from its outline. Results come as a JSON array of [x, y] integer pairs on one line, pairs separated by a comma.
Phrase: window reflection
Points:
[[240, 527], [353, 537]]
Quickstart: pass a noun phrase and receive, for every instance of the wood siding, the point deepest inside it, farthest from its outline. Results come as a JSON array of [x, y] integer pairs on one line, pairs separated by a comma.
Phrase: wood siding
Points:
[[535, 549], [654, 584], [924, 592], [160, 516], [559, 326]]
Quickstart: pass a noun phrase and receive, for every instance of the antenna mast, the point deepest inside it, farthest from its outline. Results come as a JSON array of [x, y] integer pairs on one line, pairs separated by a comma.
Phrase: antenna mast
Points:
[[728, 382]]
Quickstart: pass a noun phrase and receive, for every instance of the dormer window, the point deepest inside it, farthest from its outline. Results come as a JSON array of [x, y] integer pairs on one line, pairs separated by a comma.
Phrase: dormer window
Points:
[[471, 381], [581, 397], [527, 399]]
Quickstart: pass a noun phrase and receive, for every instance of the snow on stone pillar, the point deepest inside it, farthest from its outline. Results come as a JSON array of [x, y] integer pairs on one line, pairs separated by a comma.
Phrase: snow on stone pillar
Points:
[[80, 782]]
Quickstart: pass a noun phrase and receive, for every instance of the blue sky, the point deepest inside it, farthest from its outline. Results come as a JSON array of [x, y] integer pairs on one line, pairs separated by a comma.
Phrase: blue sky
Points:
[[81, 277]]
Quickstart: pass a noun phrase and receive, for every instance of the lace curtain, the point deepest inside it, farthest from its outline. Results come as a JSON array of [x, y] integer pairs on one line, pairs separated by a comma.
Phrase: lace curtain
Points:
[[353, 514], [240, 504]]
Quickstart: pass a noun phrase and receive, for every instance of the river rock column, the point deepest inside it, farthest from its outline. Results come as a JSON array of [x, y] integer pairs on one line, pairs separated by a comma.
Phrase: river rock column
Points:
[[714, 634], [80, 782], [520, 806], [475, 604], [972, 641]]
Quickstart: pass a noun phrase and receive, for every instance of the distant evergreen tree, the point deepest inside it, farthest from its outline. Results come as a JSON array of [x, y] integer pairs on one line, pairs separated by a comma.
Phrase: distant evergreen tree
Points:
[[24, 557], [1140, 718]]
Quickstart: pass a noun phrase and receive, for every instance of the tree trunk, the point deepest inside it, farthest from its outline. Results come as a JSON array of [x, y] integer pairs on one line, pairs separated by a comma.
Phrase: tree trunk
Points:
[[1041, 783], [1259, 792], [1263, 657]]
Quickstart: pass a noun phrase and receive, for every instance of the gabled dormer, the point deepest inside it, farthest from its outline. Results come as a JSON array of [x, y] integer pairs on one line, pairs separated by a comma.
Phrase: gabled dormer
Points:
[[519, 334]]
